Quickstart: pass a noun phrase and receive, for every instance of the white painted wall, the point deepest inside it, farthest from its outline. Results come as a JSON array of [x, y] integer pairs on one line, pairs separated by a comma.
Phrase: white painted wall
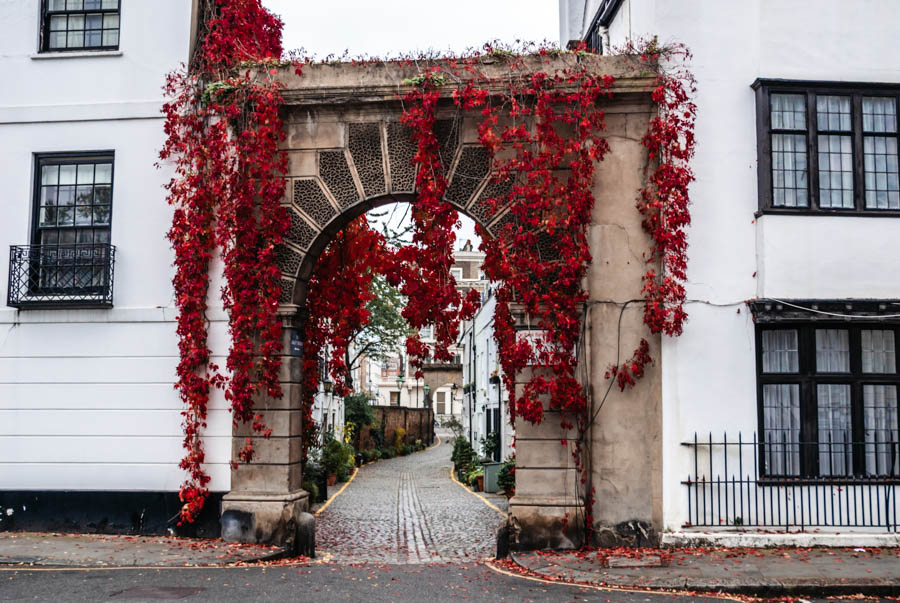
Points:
[[486, 363], [86, 397], [709, 381]]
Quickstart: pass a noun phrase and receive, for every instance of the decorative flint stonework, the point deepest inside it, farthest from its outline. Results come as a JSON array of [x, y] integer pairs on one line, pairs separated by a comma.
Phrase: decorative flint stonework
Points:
[[348, 152]]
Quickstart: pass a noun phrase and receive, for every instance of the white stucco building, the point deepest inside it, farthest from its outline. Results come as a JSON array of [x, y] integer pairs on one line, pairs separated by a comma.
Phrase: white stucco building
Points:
[[88, 347], [484, 398], [795, 209]]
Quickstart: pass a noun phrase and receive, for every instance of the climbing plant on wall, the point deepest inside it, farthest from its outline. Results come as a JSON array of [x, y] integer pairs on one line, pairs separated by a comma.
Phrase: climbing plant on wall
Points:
[[543, 129]]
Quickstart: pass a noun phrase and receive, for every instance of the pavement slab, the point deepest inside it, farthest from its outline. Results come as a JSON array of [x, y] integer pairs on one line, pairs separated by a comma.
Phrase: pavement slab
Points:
[[769, 572], [104, 550]]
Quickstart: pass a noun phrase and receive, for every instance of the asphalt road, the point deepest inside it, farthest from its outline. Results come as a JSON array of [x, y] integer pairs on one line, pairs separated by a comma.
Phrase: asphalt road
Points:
[[320, 583]]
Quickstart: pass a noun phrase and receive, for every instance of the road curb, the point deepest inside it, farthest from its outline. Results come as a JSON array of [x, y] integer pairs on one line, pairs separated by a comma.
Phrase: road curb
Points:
[[796, 587]]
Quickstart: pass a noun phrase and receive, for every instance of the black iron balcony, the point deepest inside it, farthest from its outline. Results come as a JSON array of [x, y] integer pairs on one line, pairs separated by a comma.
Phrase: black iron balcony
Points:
[[54, 276]]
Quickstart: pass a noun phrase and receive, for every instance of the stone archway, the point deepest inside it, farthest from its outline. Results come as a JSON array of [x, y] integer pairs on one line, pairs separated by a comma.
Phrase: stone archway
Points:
[[348, 152]]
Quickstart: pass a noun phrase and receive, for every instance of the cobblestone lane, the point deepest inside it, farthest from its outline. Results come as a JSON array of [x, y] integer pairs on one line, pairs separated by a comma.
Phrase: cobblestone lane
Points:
[[407, 510]]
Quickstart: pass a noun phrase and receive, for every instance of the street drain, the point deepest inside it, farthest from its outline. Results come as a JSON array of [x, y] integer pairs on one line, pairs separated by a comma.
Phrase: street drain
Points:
[[157, 592]]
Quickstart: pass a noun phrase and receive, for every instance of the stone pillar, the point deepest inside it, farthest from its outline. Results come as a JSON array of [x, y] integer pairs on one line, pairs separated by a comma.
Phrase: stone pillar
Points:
[[266, 499]]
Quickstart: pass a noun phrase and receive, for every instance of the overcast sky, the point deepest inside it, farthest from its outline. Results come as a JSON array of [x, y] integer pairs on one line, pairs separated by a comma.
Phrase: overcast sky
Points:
[[392, 27]]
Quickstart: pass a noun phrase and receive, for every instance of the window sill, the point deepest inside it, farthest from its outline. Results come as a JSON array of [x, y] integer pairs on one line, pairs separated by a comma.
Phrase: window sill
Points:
[[78, 54], [846, 213]]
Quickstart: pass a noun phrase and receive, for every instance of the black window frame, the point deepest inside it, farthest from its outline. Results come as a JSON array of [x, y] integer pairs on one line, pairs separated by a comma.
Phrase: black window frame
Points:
[[808, 378], [764, 88], [46, 13], [70, 158]]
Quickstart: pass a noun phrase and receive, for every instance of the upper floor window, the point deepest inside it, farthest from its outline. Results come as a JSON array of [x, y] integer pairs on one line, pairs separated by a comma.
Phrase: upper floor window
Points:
[[827, 149], [79, 25], [69, 261]]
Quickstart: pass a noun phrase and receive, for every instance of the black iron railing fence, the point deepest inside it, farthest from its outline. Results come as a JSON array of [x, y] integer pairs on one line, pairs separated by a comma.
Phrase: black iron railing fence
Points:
[[61, 275], [738, 482]]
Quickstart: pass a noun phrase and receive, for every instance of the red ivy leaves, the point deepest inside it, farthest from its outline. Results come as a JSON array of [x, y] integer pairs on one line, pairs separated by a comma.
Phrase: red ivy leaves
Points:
[[223, 132]]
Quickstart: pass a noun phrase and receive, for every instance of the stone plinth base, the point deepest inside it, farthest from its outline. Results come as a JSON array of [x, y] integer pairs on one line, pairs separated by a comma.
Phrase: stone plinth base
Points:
[[262, 517], [545, 522]]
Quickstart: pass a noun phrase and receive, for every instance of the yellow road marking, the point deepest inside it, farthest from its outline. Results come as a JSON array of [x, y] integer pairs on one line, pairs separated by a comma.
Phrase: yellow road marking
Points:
[[624, 589], [338, 493], [476, 494]]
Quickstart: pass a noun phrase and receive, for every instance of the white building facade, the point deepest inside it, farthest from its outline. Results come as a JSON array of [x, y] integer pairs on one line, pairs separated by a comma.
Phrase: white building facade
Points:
[[793, 279], [89, 348], [485, 407]]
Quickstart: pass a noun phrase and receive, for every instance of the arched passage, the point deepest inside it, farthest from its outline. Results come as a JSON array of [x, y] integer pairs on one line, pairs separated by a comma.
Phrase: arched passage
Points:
[[349, 152]]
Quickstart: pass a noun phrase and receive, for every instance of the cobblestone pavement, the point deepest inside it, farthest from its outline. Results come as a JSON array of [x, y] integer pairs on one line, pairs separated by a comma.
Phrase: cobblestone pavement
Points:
[[406, 510]]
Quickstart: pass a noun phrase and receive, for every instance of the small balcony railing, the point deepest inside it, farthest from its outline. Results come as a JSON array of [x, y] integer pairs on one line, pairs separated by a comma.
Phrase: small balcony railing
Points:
[[53, 276], [743, 483]]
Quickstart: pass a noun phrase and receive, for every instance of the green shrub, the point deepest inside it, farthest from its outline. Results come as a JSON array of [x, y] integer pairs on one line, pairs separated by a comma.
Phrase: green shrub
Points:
[[313, 490], [344, 471], [463, 453], [335, 455], [387, 453], [506, 479], [490, 445], [405, 449], [376, 454]]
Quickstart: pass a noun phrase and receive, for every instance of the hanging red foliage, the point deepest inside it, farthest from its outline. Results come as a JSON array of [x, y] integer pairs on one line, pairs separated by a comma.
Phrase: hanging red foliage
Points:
[[223, 132]]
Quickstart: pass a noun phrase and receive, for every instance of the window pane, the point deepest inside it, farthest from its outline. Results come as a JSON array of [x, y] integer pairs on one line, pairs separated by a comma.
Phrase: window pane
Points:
[[788, 111], [880, 419], [879, 114], [102, 195], [110, 37], [110, 3], [833, 113], [835, 171], [781, 421], [48, 195], [101, 214], [48, 216], [835, 450], [74, 4], [76, 22], [111, 22], [83, 215], [789, 171], [779, 351], [84, 195], [67, 174], [103, 173], [91, 4], [92, 38], [75, 39], [57, 5], [49, 174], [86, 173], [832, 351], [66, 196], [882, 178], [878, 351], [58, 23], [58, 40], [95, 21]]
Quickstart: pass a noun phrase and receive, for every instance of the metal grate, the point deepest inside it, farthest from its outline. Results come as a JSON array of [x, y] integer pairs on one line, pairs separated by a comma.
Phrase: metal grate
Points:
[[52, 276], [729, 487]]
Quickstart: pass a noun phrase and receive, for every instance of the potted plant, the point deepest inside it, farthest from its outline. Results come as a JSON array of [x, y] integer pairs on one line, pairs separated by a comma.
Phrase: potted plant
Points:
[[506, 480]]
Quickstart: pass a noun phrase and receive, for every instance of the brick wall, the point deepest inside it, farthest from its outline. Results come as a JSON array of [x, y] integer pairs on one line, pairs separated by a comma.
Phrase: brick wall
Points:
[[418, 423]]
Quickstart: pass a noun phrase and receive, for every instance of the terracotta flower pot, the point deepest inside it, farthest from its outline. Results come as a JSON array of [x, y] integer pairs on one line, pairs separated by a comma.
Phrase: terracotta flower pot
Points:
[[479, 483], [332, 479]]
